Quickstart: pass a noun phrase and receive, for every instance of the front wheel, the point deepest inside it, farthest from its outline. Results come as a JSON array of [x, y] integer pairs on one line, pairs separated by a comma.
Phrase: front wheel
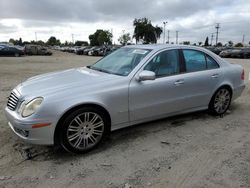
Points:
[[83, 130], [220, 101]]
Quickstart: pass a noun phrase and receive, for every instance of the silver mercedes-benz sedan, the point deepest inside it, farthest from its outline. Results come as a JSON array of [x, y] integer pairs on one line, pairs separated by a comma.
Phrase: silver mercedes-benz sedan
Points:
[[76, 108]]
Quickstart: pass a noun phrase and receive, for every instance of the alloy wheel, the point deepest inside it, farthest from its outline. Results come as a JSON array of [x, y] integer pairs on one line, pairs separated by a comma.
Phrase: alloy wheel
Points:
[[222, 101], [85, 130]]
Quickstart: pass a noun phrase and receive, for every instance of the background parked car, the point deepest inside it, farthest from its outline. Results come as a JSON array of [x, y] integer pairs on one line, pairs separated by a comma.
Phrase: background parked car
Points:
[[86, 51], [214, 50], [225, 53], [98, 51], [79, 51], [10, 51], [36, 50], [236, 53], [245, 53]]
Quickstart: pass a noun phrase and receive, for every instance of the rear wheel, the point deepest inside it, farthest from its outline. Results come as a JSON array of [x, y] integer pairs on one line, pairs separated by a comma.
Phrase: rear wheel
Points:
[[220, 101], [83, 130]]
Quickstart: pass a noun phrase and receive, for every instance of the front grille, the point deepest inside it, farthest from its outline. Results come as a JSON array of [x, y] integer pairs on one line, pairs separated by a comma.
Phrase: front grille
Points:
[[12, 101]]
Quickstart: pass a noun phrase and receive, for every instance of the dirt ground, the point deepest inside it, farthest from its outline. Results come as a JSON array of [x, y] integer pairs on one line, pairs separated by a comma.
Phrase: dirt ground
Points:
[[193, 150]]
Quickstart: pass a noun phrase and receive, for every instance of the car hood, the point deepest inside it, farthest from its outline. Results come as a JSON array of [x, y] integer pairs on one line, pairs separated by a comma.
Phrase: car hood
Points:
[[63, 80]]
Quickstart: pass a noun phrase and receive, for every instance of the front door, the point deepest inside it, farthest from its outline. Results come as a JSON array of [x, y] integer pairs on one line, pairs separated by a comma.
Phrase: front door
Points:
[[153, 98]]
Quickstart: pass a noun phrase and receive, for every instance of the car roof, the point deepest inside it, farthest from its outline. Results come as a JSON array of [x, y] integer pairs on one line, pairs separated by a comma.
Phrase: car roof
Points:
[[162, 46]]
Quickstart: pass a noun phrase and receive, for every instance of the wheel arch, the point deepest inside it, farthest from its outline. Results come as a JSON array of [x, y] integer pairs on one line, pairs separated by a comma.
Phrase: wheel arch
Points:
[[74, 108], [225, 85]]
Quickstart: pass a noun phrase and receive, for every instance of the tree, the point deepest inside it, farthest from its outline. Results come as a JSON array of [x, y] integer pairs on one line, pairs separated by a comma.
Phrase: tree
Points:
[[20, 42], [81, 43], [200, 43], [145, 31], [100, 37], [206, 42], [15, 42], [238, 44], [230, 43], [12, 41], [53, 41], [40, 42], [219, 44], [123, 39]]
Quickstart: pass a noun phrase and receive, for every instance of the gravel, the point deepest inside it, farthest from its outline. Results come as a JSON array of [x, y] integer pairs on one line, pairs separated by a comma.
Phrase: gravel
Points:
[[193, 150]]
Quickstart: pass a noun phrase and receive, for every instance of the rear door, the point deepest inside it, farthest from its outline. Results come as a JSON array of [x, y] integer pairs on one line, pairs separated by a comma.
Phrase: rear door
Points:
[[202, 76]]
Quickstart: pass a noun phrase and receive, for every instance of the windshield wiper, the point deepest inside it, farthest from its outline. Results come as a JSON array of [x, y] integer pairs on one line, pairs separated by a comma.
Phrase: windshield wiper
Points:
[[98, 69], [103, 70]]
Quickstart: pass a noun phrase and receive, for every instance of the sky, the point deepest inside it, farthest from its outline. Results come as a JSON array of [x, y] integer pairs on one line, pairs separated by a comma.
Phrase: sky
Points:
[[70, 20]]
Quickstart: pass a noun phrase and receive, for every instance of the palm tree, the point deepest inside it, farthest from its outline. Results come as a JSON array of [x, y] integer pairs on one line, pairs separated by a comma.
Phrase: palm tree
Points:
[[145, 31]]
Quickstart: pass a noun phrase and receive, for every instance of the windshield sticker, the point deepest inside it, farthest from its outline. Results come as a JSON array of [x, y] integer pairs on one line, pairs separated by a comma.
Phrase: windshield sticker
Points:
[[138, 51]]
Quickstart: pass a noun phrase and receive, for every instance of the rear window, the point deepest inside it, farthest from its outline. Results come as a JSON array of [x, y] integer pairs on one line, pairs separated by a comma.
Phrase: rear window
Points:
[[211, 63], [195, 60]]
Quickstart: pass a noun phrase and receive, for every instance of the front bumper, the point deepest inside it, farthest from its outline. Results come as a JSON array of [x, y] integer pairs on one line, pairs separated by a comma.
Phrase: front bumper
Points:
[[22, 127]]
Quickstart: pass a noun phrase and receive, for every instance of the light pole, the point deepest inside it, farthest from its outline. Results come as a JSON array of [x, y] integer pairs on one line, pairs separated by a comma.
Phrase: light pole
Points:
[[164, 31], [176, 42], [168, 36]]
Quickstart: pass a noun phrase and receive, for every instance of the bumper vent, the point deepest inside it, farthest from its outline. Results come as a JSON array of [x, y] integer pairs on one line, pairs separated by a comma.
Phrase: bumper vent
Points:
[[12, 101]]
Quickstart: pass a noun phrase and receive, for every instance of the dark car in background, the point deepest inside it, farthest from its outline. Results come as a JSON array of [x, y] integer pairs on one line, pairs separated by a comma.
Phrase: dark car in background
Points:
[[225, 53], [214, 50], [86, 50], [235, 53], [79, 51], [11, 51], [98, 51], [245, 53], [36, 50]]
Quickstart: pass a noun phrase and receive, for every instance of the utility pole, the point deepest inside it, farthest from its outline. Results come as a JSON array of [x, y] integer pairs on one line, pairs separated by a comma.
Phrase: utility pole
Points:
[[164, 31], [168, 36], [72, 38], [176, 37], [217, 32], [212, 37], [112, 35], [36, 36], [243, 39]]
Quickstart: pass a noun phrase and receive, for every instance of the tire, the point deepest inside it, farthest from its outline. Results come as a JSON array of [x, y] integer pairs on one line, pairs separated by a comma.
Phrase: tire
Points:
[[83, 130], [220, 101]]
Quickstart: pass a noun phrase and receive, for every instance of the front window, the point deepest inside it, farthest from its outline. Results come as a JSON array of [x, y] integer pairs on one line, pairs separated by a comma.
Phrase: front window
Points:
[[165, 63], [120, 62]]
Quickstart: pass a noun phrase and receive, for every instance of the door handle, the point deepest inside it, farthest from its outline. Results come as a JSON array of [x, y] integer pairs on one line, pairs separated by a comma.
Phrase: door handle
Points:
[[215, 76], [179, 82]]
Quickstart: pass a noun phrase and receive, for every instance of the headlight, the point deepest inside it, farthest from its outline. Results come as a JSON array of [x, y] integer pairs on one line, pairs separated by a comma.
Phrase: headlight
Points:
[[30, 108]]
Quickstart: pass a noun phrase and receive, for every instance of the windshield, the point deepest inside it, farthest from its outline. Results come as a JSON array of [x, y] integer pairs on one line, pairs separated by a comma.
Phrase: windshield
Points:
[[121, 61]]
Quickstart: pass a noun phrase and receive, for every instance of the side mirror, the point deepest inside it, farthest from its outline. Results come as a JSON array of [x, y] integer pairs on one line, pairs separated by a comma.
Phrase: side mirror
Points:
[[146, 75]]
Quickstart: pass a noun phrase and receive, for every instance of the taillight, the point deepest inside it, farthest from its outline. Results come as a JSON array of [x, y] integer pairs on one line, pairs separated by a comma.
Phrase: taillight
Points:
[[243, 74]]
